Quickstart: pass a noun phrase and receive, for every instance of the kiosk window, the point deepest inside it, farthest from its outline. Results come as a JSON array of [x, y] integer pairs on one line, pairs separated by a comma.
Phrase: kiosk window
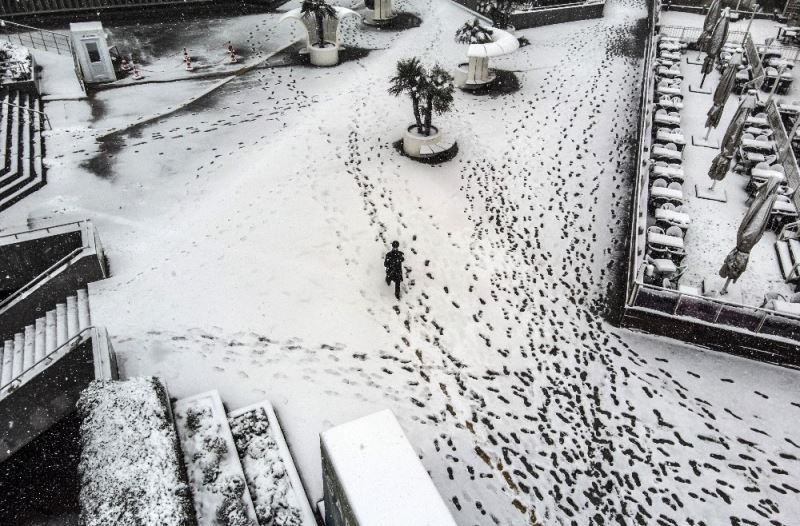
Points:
[[94, 53]]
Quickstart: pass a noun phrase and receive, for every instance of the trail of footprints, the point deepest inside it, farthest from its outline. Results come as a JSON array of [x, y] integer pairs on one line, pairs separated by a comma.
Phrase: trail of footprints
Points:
[[551, 426]]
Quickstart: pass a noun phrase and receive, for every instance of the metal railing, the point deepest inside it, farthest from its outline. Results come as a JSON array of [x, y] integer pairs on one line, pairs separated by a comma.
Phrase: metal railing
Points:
[[691, 34], [31, 111], [46, 229], [36, 38], [40, 278], [789, 53], [30, 7], [76, 339], [646, 111]]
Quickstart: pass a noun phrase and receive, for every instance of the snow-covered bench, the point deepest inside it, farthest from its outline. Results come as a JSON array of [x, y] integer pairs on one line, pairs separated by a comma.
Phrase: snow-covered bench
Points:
[[475, 73]]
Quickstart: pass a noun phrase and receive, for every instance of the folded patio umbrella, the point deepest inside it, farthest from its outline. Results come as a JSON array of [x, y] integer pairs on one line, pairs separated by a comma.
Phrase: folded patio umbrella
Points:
[[735, 128], [722, 92], [708, 24], [750, 230], [708, 65], [719, 167], [718, 37]]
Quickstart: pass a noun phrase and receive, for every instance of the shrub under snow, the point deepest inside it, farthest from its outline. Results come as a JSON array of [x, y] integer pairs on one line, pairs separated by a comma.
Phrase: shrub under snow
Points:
[[274, 498], [129, 467]]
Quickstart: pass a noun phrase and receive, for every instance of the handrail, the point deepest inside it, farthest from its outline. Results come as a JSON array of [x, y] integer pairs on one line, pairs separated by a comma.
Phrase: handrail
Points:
[[70, 341], [38, 279], [4, 23], [45, 228], [30, 31], [46, 118]]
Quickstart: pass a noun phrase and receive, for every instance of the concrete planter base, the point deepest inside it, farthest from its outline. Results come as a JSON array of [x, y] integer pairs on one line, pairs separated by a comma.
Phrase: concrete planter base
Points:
[[461, 77], [324, 56], [370, 20], [418, 146]]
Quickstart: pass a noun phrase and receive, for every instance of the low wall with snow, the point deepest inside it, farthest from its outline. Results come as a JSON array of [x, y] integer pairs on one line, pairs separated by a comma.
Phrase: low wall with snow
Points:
[[130, 466]]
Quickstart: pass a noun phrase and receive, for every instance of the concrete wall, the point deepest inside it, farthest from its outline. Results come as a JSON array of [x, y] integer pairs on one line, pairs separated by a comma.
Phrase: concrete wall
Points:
[[23, 261], [337, 509], [548, 15], [45, 295], [714, 337]]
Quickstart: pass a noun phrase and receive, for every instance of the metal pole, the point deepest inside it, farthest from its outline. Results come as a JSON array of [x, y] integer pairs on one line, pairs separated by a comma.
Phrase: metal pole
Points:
[[755, 9], [724, 289], [703, 79]]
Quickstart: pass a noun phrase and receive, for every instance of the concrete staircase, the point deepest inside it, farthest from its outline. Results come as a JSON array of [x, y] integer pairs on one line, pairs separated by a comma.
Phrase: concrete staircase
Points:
[[21, 146], [27, 352]]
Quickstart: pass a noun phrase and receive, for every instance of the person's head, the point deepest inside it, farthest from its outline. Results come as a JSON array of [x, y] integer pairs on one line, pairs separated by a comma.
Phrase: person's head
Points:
[[395, 244]]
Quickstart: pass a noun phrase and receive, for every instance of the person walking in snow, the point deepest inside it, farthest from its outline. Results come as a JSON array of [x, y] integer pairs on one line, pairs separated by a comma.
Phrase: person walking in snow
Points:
[[393, 263]]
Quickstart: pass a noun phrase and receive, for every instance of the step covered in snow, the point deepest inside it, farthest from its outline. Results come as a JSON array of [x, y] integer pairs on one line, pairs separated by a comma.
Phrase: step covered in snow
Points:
[[275, 485], [130, 466], [216, 478]]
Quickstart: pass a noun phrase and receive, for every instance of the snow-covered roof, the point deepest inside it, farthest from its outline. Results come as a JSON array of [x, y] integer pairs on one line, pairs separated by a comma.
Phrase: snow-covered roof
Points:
[[297, 14], [384, 480], [86, 26], [502, 43]]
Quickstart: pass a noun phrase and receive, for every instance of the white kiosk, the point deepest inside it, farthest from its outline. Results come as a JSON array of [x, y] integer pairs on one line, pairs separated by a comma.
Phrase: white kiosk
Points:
[[91, 51]]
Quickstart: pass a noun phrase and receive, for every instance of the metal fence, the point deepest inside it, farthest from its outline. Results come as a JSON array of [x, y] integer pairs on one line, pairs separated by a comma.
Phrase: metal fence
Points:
[[785, 151], [640, 194], [33, 37], [754, 61], [789, 53], [34, 7], [691, 34]]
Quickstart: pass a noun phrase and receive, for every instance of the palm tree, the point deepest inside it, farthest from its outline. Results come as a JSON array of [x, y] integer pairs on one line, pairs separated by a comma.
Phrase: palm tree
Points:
[[410, 78], [473, 33], [438, 95], [320, 10], [499, 11], [430, 92]]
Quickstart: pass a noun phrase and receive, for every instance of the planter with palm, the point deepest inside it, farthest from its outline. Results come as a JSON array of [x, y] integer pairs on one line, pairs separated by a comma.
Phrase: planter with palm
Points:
[[323, 52], [431, 92], [499, 11], [475, 73]]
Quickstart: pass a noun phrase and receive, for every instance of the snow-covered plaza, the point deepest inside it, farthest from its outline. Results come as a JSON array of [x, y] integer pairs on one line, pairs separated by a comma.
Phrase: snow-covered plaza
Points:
[[245, 233]]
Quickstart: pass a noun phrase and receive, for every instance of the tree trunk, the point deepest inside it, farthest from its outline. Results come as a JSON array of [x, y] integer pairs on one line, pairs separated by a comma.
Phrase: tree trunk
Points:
[[428, 115], [320, 29], [415, 102]]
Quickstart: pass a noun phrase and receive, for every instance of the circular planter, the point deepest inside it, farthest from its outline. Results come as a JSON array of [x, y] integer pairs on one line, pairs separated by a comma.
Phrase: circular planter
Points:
[[324, 56], [461, 76], [414, 143]]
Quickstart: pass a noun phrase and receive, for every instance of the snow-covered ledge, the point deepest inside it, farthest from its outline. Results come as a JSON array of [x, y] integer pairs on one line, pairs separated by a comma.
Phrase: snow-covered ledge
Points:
[[328, 55], [475, 73]]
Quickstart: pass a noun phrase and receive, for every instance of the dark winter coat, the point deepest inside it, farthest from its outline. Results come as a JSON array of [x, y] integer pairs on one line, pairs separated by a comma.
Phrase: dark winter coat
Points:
[[393, 262]]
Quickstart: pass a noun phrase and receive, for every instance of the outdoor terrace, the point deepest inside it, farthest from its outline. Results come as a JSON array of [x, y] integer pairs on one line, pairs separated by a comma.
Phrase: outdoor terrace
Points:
[[681, 239]]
